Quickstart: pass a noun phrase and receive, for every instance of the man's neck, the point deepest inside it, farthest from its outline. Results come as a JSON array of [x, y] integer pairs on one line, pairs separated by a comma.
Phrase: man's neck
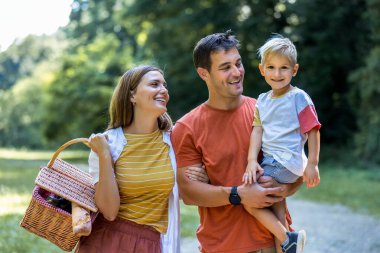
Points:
[[225, 103]]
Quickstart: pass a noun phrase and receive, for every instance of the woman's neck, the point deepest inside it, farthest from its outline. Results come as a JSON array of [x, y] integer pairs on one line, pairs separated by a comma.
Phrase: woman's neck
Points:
[[142, 125]]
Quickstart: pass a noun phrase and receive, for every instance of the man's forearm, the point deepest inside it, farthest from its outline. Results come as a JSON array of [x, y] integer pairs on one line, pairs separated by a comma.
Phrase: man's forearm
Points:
[[202, 194], [207, 195]]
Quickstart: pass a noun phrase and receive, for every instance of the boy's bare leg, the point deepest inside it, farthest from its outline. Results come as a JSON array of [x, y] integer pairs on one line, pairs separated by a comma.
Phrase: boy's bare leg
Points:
[[279, 209], [267, 217]]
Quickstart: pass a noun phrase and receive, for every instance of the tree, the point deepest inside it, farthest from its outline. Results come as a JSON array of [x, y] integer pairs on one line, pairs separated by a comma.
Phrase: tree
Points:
[[20, 59], [78, 97], [367, 91]]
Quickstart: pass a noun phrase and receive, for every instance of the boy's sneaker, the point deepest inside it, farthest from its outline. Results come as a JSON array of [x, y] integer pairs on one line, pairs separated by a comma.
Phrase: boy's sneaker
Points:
[[295, 243]]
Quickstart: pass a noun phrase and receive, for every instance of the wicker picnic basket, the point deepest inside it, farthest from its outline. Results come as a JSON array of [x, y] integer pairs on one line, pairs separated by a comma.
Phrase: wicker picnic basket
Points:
[[66, 181]]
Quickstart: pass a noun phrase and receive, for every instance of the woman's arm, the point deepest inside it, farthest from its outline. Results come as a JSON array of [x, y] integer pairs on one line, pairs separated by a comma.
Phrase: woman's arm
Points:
[[107, 196]]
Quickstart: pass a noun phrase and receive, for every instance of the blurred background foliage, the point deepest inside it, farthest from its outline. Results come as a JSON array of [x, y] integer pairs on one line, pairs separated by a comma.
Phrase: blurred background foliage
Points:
[[54, 88]]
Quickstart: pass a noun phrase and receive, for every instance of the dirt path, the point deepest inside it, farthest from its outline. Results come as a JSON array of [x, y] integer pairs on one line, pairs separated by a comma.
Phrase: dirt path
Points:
[[330, 229]]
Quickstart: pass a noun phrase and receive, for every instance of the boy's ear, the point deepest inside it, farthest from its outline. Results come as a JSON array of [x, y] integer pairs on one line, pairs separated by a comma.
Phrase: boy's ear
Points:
[[295, 69], [203, 73], [261, 68]]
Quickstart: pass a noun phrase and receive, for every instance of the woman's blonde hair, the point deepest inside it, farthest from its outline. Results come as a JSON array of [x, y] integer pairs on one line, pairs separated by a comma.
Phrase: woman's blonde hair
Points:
[[121, 107]]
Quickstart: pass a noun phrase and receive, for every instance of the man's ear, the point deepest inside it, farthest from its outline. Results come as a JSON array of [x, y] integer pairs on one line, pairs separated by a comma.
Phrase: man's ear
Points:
[[203, 73]]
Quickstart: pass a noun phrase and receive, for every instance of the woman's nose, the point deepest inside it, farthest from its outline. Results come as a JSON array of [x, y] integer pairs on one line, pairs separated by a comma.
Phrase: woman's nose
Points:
[[163, 89]]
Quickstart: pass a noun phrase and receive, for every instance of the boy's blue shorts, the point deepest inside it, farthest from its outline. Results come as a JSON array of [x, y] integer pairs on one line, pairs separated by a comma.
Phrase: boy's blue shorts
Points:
[[276, 170]]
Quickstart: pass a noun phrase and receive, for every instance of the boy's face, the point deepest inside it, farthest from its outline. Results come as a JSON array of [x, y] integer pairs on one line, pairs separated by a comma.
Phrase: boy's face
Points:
[[225, 78], [278, 72]]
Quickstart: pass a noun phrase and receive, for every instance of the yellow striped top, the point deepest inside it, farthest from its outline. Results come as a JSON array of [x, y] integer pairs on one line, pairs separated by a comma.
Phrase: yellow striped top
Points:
[[145, 178]]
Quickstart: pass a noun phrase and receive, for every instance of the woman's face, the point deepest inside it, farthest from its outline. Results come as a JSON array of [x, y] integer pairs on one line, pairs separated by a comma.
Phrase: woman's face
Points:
[[151, 95]]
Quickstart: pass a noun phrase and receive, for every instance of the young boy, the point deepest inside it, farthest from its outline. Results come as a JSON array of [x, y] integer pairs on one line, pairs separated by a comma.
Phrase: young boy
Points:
[[285, 118]]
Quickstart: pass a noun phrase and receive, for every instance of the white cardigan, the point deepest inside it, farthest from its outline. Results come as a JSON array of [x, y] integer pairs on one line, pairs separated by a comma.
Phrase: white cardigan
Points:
[[170, 241]]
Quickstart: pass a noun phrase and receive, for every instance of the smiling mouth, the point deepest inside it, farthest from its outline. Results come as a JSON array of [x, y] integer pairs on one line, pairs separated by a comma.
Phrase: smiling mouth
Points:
[[162, 100], [234, 82]]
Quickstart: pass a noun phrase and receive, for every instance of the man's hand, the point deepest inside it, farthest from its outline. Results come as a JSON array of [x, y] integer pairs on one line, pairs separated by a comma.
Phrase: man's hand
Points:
[[256, 196], [289, 189]]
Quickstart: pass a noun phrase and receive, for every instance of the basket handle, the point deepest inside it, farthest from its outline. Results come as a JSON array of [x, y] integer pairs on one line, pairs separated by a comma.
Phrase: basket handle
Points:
[[65, 145]]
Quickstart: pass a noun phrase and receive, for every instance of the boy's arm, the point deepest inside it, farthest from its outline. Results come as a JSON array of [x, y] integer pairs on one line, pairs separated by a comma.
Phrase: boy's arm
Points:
[[311, 172], [255, 143], [253, 165]]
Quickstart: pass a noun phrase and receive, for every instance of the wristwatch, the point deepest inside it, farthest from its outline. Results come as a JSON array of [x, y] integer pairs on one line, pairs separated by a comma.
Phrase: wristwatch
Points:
[[234, 196]]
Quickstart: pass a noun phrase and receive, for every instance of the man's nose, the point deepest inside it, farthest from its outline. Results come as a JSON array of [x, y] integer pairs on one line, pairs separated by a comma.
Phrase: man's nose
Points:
[[236, 71]]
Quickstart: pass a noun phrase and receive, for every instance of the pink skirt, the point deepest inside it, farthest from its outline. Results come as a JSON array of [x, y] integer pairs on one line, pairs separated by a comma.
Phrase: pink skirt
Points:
[[119, 236]]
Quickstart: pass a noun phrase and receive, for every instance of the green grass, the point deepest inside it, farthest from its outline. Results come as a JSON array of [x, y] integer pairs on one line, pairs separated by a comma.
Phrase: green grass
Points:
[[356, 188], [18, 170], [353, 187]]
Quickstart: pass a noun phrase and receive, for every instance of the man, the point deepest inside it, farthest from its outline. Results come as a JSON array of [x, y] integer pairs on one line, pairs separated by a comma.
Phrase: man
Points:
[[216, 134]]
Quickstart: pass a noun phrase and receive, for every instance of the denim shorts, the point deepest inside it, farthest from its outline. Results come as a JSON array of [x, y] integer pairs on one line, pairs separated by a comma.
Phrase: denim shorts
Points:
[[276, 170]]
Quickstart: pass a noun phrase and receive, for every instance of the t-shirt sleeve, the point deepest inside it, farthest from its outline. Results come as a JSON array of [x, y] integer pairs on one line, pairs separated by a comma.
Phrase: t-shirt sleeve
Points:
[[256, 118], [93, 162], [184, 147], [307, 114]]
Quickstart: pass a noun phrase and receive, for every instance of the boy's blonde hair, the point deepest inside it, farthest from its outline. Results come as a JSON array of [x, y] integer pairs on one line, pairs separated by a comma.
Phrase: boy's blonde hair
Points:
[[277, 44]]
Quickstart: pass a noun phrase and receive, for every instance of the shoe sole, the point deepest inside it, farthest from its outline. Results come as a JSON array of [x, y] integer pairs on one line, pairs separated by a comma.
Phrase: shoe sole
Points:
[[301, 241]]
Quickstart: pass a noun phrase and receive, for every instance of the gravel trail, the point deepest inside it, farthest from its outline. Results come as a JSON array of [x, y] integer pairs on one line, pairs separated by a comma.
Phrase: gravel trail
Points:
[[329, 228]]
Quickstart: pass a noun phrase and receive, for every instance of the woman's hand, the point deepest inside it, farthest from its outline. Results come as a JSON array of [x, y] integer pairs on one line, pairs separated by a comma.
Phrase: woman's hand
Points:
[[98, 143], [197, 174]]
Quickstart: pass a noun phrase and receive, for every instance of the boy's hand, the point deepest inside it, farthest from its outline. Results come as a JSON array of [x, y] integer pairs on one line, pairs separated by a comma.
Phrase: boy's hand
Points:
[[311, 176], [250, 175]]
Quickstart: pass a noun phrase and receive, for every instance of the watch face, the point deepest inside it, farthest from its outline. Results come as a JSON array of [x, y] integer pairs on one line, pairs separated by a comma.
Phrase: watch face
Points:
[[234, 199]]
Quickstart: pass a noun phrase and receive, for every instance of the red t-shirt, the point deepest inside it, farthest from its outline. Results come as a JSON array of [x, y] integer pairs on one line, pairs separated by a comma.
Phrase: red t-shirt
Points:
[[219, 139]]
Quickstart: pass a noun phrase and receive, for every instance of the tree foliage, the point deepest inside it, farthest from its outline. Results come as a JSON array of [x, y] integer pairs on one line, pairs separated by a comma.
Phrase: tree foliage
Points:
[[366, 81], [337, 42]]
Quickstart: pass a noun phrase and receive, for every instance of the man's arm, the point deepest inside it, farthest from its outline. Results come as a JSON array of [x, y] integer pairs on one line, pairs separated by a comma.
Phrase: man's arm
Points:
[[207, 195]]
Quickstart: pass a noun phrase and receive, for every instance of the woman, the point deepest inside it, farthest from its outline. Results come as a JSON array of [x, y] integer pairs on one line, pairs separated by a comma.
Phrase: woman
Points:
[[133, 167]]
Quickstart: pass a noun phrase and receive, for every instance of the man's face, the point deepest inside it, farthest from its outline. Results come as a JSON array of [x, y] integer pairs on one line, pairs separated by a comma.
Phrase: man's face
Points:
[[226, 76]]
